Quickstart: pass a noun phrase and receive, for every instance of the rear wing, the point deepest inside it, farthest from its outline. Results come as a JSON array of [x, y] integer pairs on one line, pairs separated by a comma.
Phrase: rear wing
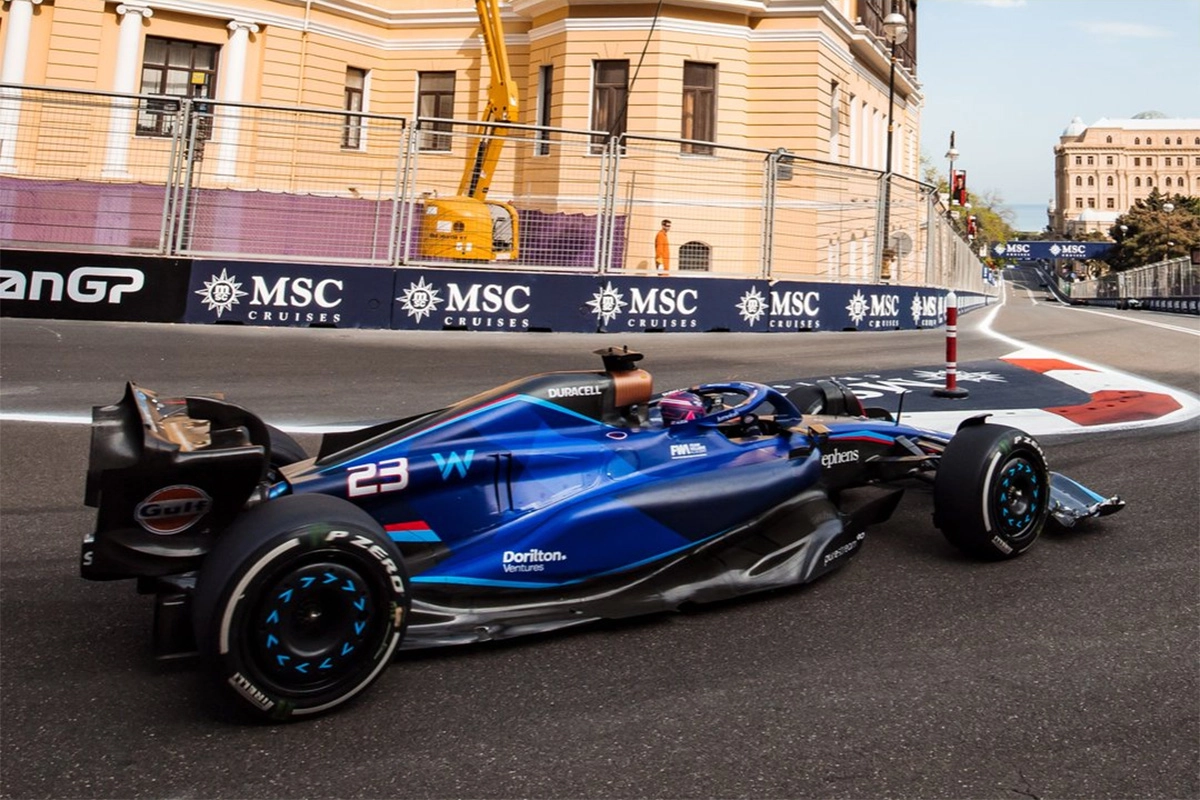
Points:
[[167, 475]]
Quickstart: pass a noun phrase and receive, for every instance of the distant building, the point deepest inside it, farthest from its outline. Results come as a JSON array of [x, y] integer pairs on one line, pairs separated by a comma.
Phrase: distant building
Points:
[[1100, 170]]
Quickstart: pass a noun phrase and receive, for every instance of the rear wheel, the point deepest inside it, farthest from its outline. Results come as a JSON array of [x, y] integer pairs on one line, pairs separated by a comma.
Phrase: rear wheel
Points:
[[284, 450], [300, 606], [992, 491]]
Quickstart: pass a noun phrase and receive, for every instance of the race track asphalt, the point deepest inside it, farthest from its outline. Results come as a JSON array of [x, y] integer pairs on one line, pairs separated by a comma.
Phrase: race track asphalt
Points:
[[912, 673]]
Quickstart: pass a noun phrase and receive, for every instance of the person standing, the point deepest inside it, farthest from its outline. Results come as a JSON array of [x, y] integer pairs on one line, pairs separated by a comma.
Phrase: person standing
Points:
[[662, 248]]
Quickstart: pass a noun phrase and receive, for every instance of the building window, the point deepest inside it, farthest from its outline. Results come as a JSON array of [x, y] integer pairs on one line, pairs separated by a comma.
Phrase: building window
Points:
[[435, 98], [1108, 140], [1137, 140], [1079, 202], [1108, 181], [695, 257], [1149, 181], [1137, 181], [545, 96], [1108, 160], [835, 120], [1078, 180], [1091, 161], [699, 106], [1168, 180], [1078, 161], [1091, 181], [1137, 161], [1091, 202], [356, 86], [1149, 161], [1110, 203], [610, 92], [177, 68], [1149, 140], [1178, 140], [1179, 161]]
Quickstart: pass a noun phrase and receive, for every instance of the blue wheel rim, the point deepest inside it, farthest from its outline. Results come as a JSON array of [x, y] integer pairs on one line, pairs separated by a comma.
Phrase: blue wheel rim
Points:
[[313, 625], [1019, 497]]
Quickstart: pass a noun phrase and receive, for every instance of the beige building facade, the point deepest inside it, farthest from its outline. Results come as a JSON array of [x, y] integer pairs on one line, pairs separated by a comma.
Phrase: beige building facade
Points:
[[1100, 170], [811, 76]]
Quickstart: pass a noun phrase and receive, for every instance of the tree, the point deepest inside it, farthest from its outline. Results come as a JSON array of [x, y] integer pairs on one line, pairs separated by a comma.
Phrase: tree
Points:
[[1147, 233], [993, 220]]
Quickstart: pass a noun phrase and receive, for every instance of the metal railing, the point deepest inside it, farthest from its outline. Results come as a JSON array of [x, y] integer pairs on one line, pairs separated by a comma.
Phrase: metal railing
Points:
[[1176, 277], [97, 171]]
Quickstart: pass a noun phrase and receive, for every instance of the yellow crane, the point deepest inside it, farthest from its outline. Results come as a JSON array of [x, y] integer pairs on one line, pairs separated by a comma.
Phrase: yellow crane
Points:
[[469, 225]]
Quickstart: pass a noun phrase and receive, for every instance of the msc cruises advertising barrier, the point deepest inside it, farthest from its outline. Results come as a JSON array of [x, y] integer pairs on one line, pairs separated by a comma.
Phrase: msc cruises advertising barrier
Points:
[[208, 291], [439, 299], [290, 295]]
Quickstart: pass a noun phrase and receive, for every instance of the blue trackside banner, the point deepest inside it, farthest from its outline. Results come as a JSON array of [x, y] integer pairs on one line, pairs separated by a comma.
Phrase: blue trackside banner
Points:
[[674, 303], [441, 299], [415, 298], [449, 299], [1030, 251], [289, 295]]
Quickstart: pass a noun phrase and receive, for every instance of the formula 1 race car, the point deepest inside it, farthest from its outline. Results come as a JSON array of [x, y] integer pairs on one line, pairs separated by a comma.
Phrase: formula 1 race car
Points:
[[550, 501]]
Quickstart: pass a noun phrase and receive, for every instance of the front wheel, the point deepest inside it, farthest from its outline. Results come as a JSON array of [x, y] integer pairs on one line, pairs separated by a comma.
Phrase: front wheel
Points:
[[992, 491], [300, 606]]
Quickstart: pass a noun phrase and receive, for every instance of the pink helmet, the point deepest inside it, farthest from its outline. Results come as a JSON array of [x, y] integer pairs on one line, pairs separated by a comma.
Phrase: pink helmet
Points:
[[681, 406]]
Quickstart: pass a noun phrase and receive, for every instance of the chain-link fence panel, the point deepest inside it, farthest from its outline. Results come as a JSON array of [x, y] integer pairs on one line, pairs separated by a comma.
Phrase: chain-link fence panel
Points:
[[908, 232], [285, 183], [823, 225], [953, 261], [76, 173], [195, 177], [1177, 277], [712, 196], [514, 195]]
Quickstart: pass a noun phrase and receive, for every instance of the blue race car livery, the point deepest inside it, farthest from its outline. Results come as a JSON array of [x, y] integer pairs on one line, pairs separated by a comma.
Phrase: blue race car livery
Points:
[[551, 501]]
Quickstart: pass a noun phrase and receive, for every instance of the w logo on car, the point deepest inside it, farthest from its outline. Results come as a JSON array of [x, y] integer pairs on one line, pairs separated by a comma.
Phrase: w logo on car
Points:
[[454, 463]]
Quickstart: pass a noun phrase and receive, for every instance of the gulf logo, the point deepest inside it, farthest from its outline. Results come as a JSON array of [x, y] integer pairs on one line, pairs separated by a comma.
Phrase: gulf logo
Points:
[[172, 509]]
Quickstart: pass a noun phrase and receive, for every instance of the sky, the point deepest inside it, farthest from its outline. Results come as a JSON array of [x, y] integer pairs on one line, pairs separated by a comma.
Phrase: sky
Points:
[[1007, 76]]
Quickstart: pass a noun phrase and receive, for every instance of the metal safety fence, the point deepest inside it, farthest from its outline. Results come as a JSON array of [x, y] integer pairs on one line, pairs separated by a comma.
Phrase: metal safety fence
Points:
[[1177, 277], [101, 172]]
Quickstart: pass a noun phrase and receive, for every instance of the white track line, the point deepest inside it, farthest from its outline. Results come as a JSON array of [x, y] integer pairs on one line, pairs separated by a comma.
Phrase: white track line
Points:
[[1135, 320], [1032, 420]]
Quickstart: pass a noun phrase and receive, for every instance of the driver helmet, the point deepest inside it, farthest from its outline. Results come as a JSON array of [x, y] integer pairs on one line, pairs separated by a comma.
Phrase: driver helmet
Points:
[[680, 406]]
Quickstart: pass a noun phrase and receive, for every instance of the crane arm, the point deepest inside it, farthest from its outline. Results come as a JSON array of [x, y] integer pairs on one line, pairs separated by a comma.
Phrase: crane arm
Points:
[[501, 105]]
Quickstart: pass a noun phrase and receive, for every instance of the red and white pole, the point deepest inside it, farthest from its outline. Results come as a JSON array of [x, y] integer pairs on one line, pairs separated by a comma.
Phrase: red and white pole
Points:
[[952, 388]]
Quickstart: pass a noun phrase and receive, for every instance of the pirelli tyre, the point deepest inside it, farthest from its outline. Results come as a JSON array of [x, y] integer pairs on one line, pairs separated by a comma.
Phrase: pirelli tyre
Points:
[[300, 606], [992, 491]]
